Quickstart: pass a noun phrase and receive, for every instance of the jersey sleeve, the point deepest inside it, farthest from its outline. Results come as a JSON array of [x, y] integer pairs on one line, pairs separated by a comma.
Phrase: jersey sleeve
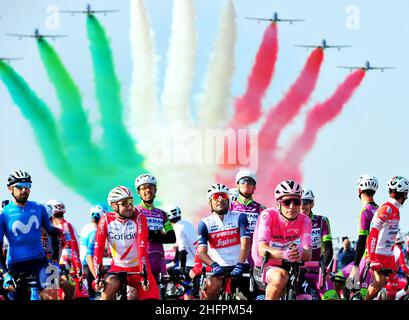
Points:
[[378, 222], [306, 239], [244, 226], [142, 242], [74, 248], [326, 230], [1, 226], [364, 222], [91, 243], [264, 227], [203, 234], [100, 240], [45, 222]]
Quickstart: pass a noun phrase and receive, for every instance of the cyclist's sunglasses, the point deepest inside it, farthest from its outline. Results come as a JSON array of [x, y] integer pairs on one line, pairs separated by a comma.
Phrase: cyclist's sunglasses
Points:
[[22, 185], [247, 180], [306, 201], [216, 196], [126, 202], [287, 202]]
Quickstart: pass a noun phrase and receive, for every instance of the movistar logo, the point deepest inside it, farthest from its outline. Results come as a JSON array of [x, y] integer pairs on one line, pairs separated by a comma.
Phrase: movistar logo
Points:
[[24, 228]]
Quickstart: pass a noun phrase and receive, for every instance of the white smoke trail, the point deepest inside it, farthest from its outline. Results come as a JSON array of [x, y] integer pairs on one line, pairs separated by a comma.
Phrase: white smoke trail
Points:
[[144, 112], [215, 102], [181, 64]]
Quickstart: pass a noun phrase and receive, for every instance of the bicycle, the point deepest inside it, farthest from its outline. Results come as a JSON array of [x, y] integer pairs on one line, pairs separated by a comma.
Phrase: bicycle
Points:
[[175, 285], [226, 290], [122, 293], [26, 285]]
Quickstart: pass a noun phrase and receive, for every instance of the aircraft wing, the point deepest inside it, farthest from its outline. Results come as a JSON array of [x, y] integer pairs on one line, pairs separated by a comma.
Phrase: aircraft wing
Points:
[[350, 68], [20, 35], [103, 11], [305, 46], [259, 19], [343, 46], [291, 20]]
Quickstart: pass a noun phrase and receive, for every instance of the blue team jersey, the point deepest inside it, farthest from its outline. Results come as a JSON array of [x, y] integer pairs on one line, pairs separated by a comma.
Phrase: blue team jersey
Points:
[[90, 244], [22, 228]]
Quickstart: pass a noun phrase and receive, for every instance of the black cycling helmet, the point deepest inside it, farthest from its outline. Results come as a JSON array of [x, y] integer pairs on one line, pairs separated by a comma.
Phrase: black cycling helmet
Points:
[[18, 176]]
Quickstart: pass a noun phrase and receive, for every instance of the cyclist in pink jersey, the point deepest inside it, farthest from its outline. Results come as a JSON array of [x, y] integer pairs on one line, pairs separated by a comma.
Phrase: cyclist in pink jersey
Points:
[[381, 239], [160, 228], [277, 230], [127, 234]]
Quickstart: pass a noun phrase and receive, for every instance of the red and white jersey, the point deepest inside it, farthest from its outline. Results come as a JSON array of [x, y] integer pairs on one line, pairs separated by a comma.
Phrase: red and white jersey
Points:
[[69, 243], [223, 237], [127, 239], [385, 227]]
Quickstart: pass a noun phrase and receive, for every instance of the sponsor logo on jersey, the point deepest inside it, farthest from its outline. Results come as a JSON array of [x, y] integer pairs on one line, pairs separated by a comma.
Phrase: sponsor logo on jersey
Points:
[[154, 223], [25, 228], [226, 238], [122, 236]]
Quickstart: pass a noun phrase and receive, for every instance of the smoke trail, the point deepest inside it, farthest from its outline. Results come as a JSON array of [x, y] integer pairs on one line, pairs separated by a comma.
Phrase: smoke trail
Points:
[[290, 166], [320, 115], [41, 119], [290, 105], [143, 96], [213, 107], [181, 63], [248, 106], [77, 143], [118, 143]]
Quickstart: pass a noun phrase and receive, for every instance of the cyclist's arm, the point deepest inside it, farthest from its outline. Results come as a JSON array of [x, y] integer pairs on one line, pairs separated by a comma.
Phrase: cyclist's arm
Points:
[[3, 266], [75, 253], [142, 242], [203, 234], [90, 252], [379, 221], [274, 253], [53, 232], [99, 247], [360, 248], [306, 240], [327, 241], [244, 238]]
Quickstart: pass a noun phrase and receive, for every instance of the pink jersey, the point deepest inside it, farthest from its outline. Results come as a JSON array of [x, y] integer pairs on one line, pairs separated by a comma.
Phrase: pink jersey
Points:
[[279, 232]]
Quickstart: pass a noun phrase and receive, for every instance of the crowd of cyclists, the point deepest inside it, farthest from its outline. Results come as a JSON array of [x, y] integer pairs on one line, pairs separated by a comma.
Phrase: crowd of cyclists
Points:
[[240, 250]]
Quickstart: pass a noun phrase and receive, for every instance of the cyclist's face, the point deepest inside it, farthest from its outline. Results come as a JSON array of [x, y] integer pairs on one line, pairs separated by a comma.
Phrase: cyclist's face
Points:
[[219, 204], [20, 192], [246, 186], [147, 192], [306, 207], [290, 206], [124, 207]]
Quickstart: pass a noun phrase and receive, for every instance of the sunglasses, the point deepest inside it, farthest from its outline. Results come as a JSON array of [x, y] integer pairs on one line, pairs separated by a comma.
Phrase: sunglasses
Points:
[[306, 201], [287, 202], [247, 180], [216, 196], [22, 185], [126, 203]]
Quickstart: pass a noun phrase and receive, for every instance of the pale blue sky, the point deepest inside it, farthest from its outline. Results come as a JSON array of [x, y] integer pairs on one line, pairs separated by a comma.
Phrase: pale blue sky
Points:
[[370, 135]]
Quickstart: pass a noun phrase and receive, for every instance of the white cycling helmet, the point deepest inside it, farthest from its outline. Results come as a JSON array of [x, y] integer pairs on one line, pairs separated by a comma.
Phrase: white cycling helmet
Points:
[[118, 194], [398, 184], [17, 176], [287, 188], [367, 182], [173, 211], [57, 206], [233, 194], [307, 195], [96, 212], [145, 178], [216, 188], [246, 173]]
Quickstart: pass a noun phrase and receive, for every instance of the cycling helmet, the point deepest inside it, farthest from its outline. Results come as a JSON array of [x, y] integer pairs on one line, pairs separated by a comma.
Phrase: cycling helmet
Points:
[[145, 178], [173, 211], [367, 182], [18, 176], [233, 194], [96, 212], [57, 206], [307, 195], [287, 188], [118, 194], [398, 184], [216, 188], [246, 173]]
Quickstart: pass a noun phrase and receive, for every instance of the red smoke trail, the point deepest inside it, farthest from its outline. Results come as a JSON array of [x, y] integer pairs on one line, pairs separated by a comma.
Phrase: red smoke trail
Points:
[[248, 106], [321, 114]]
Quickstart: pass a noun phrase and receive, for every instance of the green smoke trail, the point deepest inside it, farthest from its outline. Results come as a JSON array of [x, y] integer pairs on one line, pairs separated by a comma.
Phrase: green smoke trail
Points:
[[76, 132], [118, 143], [43, 123]]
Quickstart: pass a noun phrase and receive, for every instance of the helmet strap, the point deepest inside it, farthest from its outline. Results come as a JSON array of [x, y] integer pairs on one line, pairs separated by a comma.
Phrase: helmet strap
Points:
[[23, 202]]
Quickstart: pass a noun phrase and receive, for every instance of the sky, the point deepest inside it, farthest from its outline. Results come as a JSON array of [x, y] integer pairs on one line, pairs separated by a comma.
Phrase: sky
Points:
[[369, 136]]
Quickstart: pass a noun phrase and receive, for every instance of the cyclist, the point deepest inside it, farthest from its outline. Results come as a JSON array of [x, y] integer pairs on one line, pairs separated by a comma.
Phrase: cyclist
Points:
[[285, 234], [322, 250], [95, 214], [21, 222], [367, 187], [160, 228], [246, 185], [126, 231], [224, 242], [385, 226]]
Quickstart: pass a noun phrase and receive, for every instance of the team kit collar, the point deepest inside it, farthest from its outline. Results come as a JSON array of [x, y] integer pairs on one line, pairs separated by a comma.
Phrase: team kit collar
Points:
[[145, 206], [395, 203], [246, 203]]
